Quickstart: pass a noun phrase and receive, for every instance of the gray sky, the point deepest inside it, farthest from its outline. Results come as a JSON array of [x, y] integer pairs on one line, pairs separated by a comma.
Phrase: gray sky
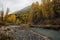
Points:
[[15, 5]]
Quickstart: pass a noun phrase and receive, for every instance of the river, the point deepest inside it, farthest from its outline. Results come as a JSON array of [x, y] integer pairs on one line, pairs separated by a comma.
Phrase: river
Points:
[[52, 34]]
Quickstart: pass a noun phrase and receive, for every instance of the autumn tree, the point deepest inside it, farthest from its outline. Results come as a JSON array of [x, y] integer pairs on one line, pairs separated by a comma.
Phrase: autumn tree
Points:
[[11, 18], [36, 13], [47, 9], [6, 14], [56, 7], [25, 17]]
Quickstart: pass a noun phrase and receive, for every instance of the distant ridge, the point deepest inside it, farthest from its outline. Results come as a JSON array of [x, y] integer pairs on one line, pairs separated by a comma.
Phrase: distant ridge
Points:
[[24, 10]]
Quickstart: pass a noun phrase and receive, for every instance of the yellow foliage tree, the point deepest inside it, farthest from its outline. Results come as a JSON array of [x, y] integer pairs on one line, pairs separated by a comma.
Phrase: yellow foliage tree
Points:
[[25, 17], [47, 9], [35, 13], [11, 18]]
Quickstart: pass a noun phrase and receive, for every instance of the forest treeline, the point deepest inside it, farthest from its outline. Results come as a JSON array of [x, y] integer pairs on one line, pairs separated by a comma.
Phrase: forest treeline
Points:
[[47, 13]]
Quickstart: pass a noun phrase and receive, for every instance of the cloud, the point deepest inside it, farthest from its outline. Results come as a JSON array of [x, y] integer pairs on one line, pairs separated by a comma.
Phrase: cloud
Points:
[[15, 5]]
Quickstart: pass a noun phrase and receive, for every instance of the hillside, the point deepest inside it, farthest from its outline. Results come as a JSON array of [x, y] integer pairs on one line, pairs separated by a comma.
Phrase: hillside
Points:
[[24, 10]]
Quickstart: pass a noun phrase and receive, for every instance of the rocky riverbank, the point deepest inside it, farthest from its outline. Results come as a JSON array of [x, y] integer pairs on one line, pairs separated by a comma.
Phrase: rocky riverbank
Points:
[[7, 33]]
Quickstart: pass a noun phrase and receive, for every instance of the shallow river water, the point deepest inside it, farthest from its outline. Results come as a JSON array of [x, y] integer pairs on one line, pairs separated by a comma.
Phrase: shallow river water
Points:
[[52, 34]]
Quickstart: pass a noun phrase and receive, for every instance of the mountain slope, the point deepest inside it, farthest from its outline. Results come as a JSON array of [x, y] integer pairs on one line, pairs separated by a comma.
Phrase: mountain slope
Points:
[[24, 10]]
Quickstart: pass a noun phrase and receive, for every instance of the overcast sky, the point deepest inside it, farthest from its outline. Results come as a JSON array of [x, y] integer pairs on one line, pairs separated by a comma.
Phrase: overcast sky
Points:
[[15, 5]]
